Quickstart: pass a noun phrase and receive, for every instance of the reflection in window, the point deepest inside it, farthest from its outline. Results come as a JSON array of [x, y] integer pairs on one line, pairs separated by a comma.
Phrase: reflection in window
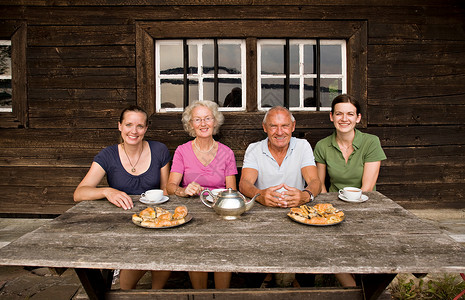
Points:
[[210, 69], [300, 74], [5, 76]]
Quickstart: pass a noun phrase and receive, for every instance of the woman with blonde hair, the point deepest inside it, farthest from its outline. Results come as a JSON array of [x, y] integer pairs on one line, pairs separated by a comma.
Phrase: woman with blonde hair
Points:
[[202, 163]]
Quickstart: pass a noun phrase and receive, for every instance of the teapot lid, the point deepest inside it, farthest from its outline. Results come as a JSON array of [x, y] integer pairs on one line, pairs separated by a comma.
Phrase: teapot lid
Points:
[[229, 193]]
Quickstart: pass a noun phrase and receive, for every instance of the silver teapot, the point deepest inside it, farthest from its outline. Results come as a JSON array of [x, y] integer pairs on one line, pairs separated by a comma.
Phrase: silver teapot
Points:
[[229, 203]]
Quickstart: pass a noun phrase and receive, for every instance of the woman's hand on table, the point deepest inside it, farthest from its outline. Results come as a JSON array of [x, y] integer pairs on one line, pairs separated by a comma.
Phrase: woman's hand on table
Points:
[[193, 189], [119, 198]]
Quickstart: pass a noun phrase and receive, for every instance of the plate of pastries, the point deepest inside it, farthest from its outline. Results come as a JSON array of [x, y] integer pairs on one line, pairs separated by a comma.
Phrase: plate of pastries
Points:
[[322, 214], [161, 218]]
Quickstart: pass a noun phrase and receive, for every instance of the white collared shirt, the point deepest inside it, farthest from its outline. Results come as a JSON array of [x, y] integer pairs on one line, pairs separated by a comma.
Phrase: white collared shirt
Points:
[[299, 155]]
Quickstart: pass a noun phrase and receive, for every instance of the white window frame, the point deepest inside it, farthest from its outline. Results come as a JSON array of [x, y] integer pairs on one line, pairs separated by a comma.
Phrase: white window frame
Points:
[[200, 76], [301, 76]]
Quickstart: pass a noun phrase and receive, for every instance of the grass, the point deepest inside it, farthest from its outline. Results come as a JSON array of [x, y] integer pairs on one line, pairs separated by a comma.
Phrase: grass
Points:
[[435, 286]]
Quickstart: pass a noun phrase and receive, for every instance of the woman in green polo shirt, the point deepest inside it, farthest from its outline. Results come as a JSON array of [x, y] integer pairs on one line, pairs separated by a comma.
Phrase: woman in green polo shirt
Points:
[[351, 157]]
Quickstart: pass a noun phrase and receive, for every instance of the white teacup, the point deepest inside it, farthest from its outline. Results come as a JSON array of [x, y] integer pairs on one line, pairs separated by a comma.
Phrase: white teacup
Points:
[[351, 193], [153, 195]]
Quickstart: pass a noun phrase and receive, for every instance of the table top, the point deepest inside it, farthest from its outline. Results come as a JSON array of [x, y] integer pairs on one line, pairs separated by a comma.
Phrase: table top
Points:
[[377, 236]]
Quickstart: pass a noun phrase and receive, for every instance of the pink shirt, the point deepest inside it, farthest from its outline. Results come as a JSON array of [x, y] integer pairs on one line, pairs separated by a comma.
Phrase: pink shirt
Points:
[[212, 176]]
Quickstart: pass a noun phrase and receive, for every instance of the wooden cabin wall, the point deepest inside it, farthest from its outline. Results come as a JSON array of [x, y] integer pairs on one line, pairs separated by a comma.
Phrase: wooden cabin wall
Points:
[[81, 72]]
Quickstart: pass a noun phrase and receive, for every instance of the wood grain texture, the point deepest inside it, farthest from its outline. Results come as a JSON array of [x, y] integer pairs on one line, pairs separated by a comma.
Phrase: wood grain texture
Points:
[[378, 236]]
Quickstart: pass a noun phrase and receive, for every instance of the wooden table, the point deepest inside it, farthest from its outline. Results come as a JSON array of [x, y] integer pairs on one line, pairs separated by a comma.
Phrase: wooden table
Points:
[[378, 238]]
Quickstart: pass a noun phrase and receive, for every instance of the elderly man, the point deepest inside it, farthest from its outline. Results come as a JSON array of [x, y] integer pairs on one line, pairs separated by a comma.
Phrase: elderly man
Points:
[[280, 168]]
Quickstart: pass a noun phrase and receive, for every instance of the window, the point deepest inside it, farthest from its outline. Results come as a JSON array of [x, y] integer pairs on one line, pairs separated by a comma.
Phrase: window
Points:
[[300, 74], [208, 69], [13, 88], [341, 67], [5, 76]]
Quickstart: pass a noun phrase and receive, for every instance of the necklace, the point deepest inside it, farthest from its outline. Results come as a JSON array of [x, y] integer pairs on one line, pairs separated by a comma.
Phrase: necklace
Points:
[[341, 145], [198, 148], [344, 147], [133, 170]]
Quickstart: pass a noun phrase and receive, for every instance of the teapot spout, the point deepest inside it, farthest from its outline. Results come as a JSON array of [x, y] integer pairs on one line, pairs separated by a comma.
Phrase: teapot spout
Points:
[[250, 203]]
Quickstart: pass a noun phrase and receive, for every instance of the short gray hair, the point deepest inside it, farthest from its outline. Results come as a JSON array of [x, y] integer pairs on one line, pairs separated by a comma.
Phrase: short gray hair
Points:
[[281, 108], [187, 116]]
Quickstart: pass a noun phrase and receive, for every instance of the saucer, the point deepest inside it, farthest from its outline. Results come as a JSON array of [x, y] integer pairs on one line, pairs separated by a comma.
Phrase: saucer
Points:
[[363, 199], [150, 202]]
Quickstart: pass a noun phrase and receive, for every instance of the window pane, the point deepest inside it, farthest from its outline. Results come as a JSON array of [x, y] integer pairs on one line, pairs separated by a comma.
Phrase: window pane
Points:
[[230, 92], [208, 89], [272, 92], [329, 89], [5, 95], [171, 61], [331, 61], [193, 91], [229, 59], [294, 95], [5, 59], [5, 76], [208, 59], [309, 51], [294, 59], [309, 93], [193, 64], [272, 59], [171, 93]]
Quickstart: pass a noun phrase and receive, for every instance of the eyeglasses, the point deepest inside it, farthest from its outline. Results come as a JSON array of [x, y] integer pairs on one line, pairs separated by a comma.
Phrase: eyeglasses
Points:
[[206, 120]]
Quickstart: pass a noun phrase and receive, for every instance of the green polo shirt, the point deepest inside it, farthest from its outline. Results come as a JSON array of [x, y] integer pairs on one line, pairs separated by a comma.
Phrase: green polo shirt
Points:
[[367, 148]]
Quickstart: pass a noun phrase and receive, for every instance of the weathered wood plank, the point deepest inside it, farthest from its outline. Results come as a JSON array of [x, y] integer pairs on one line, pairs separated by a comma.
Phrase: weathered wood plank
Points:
[[414, 33], [414, 114], [422, 196], [406, 247], [417, 156], [126, 95], [41, 176], [422, 175], [76, 78], [418, 135], [81, 35], [229, 2], [236, 294], [72, 57]]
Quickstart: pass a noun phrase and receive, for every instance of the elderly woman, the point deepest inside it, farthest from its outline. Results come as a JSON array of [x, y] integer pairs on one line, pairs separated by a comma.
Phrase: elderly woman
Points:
[[350, 157], [202, 163], [132, 167]]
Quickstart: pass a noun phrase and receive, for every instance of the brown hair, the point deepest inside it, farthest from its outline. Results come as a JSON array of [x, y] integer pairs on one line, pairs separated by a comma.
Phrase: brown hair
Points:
[[346, 98], [134, 108]]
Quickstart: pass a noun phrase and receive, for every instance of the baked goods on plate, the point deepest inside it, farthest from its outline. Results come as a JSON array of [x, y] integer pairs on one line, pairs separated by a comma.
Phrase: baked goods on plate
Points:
[[161, 218], [322, 214]]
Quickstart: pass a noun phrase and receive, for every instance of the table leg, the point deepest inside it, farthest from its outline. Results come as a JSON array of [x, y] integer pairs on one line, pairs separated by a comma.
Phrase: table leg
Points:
[[95, 282], [374, 284]]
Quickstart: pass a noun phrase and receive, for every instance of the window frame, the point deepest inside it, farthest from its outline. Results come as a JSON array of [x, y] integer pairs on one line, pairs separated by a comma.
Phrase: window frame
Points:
[[199, 76], [353, 31], [16, 31], [301, 76]]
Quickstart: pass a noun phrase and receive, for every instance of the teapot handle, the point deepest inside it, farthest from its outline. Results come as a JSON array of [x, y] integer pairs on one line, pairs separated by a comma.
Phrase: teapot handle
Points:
[[204, 200]]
